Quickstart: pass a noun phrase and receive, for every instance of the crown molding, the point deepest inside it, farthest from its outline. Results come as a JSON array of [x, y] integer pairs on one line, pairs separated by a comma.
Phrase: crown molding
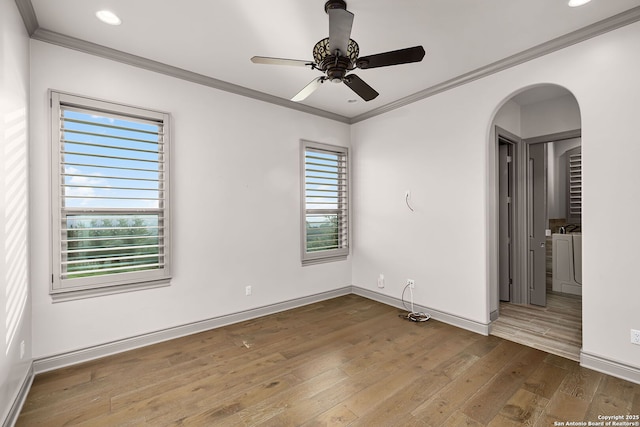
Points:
[[162, 68], [614, 22], [25, 7]]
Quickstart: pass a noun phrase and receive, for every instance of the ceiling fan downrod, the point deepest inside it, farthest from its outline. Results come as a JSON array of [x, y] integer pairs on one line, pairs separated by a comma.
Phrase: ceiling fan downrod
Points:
[[335, 4]]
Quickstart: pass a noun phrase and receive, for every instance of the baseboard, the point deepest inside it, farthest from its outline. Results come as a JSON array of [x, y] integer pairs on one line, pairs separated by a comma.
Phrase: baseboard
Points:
[[611, 367], [587, 360], [83, 355], [18, 403], [441, 316]]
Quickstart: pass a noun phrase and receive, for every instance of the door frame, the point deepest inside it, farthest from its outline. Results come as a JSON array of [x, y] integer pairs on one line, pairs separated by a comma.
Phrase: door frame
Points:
[[520, 289], [519, 294]]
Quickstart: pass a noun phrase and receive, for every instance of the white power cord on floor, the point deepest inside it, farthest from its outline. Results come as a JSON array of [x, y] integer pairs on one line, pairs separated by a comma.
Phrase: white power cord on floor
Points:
[[412, 315]]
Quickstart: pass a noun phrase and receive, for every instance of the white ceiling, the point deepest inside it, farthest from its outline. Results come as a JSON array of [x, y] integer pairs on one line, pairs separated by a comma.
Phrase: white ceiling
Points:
[[217, 38]]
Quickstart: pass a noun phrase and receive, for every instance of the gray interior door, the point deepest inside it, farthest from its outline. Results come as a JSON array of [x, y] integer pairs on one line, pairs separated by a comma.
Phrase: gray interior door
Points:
[[505, 190], [537, 213]]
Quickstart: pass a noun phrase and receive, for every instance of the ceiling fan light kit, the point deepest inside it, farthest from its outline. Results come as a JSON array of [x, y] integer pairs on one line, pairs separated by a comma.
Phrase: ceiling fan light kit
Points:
[[338, 54]]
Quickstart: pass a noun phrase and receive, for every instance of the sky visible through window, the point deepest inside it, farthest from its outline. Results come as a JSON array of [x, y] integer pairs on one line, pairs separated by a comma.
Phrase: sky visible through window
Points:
[[109, 162], [322, 183]]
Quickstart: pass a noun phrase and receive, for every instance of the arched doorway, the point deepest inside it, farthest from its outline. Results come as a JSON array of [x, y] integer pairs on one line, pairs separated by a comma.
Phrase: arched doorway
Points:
[[536, 196]]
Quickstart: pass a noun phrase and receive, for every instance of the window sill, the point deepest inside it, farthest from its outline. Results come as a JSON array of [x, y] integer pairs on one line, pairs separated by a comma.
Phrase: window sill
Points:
[[63, 295], [314, 261]]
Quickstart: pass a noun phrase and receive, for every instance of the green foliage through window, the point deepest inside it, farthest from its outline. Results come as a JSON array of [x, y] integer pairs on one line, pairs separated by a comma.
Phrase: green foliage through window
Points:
[[323, 233], [101, 244]]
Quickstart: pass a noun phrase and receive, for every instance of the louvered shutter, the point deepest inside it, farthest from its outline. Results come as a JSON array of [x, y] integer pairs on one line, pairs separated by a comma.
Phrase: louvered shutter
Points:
[[574, 185], [112, 195], [326, 202]]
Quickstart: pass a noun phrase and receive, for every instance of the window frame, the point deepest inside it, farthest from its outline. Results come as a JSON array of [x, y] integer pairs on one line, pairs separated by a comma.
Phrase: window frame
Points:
[[328, 255], [573, 185], [62, 289]]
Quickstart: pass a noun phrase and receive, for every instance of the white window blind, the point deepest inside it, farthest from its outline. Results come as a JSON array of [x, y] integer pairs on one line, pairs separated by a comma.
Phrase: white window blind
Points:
[[326, 202], [574, 181], [111, 194]]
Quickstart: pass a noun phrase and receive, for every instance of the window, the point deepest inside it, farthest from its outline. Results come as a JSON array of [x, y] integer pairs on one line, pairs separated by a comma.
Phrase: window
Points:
[[325, 210], [574, 185], [109, 198]]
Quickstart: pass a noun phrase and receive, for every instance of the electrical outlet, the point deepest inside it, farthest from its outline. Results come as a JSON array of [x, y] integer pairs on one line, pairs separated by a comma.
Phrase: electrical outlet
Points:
[[22, 349], [635, 336], [247, 290], [381, 280], [411, 283]]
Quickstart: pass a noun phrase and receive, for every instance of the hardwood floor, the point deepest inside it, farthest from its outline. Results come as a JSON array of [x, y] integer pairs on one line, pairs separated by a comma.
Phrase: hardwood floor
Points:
[[556, 328], [346, 361]]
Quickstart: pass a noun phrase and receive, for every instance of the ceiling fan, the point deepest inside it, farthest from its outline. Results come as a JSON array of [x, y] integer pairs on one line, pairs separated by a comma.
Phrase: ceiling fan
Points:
[[338, 54]]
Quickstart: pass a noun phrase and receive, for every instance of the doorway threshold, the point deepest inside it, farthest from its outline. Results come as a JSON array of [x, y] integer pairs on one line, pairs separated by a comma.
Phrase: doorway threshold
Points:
[[556, 328]]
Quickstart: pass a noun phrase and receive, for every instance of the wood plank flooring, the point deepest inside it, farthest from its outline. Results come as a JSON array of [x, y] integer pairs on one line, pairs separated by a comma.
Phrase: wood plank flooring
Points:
[[556, 328], [345, 361]]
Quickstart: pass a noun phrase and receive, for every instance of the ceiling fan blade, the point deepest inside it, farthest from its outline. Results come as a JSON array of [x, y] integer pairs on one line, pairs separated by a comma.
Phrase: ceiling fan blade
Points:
[[340, 23], [309, 89], [395, 57], [280, 61], [358, 85]]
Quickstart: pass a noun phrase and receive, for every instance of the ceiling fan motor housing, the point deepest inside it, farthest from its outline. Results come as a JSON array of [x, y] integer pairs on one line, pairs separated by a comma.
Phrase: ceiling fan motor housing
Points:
[[337, 70], [335, 66]]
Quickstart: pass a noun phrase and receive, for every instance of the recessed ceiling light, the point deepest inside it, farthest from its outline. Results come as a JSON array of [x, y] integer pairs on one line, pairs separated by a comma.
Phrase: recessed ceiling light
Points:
[[108, 17], [576, 3]]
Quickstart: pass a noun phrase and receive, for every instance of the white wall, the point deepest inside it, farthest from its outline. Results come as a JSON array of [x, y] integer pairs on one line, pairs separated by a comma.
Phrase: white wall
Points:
[[236, 204], [440, 148], [436, 149], [550, 116], [15, 317], [509, 118]]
